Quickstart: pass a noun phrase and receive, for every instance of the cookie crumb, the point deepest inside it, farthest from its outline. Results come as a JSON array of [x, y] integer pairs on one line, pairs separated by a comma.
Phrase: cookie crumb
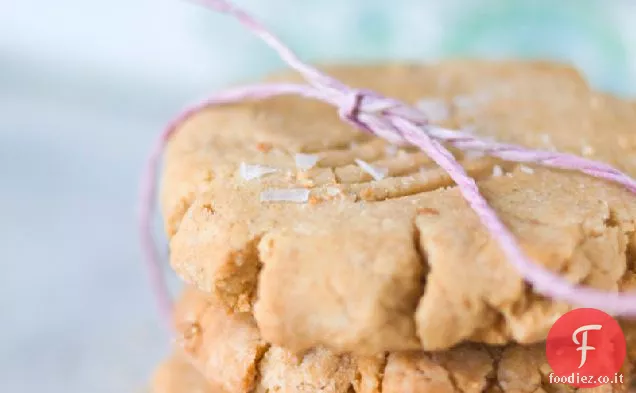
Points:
[[295, 195], [191, 331], [526, 169], [208, 175], [305, 161], [264, 147], [497, 171], [367, 194], [428, 211], [375, 172], [333, 191], [307, 183], [473, 155], [313, 200], [190, 334], [302, 176], [251, 172]]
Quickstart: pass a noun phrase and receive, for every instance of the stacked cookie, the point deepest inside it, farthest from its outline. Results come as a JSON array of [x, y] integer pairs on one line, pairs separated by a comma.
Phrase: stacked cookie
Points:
[[321, 259]]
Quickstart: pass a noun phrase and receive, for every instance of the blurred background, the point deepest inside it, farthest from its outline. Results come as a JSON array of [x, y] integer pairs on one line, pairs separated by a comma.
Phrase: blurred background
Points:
[[85, 86]]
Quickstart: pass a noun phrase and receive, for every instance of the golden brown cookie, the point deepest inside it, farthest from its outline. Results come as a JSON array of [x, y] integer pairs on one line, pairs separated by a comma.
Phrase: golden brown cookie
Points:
[[371, 248], [178, 375], [467, 368]]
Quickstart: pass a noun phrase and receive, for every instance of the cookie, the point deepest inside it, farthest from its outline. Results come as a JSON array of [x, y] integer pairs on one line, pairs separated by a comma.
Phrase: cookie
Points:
[[406, 374], [467, 368], [338, 239], [178, 375]]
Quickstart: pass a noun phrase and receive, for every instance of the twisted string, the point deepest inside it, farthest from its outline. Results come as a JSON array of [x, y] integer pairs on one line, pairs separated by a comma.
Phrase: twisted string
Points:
[[399, 123]]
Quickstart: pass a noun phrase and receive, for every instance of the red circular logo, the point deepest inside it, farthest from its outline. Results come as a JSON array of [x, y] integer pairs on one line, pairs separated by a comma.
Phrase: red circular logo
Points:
[[586, 348]]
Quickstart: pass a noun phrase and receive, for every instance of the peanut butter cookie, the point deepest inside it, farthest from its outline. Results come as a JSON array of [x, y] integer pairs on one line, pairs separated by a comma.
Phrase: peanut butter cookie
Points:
[[336, 239], [236, 361]]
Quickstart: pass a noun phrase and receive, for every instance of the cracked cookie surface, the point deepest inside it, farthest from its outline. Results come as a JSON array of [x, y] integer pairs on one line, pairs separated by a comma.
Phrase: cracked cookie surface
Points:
[[393, 259], [466, 368]]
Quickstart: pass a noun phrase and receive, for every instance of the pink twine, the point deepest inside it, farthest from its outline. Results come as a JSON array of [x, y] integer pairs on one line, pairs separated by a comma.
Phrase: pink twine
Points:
[[399, 123]]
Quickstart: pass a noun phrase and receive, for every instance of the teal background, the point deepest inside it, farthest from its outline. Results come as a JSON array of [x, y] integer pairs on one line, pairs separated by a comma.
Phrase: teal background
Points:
[[85, 86], [593, 35]]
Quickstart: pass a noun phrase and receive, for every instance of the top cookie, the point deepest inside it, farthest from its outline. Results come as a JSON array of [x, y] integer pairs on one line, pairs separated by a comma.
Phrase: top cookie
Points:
[[373, 249]]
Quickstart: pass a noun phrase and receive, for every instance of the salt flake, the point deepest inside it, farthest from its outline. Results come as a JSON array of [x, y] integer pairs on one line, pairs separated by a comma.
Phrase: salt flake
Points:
[[435, 109], [471, 101], [254, 171], [497, 171], [295, 195], [464, 101], [587, 150], [391, 150], [526, 169], [375, 172], [305, 161], [545, 138]]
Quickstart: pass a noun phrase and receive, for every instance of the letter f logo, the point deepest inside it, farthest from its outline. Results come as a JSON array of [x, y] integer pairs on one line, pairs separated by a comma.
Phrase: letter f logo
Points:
[[584, 347]]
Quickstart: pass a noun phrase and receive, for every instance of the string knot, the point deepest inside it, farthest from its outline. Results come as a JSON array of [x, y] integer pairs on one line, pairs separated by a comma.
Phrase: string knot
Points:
[[349, 108]]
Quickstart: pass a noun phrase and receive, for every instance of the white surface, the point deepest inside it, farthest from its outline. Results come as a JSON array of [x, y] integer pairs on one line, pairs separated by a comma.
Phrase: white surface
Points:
[[76, 310], [84, 87]]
